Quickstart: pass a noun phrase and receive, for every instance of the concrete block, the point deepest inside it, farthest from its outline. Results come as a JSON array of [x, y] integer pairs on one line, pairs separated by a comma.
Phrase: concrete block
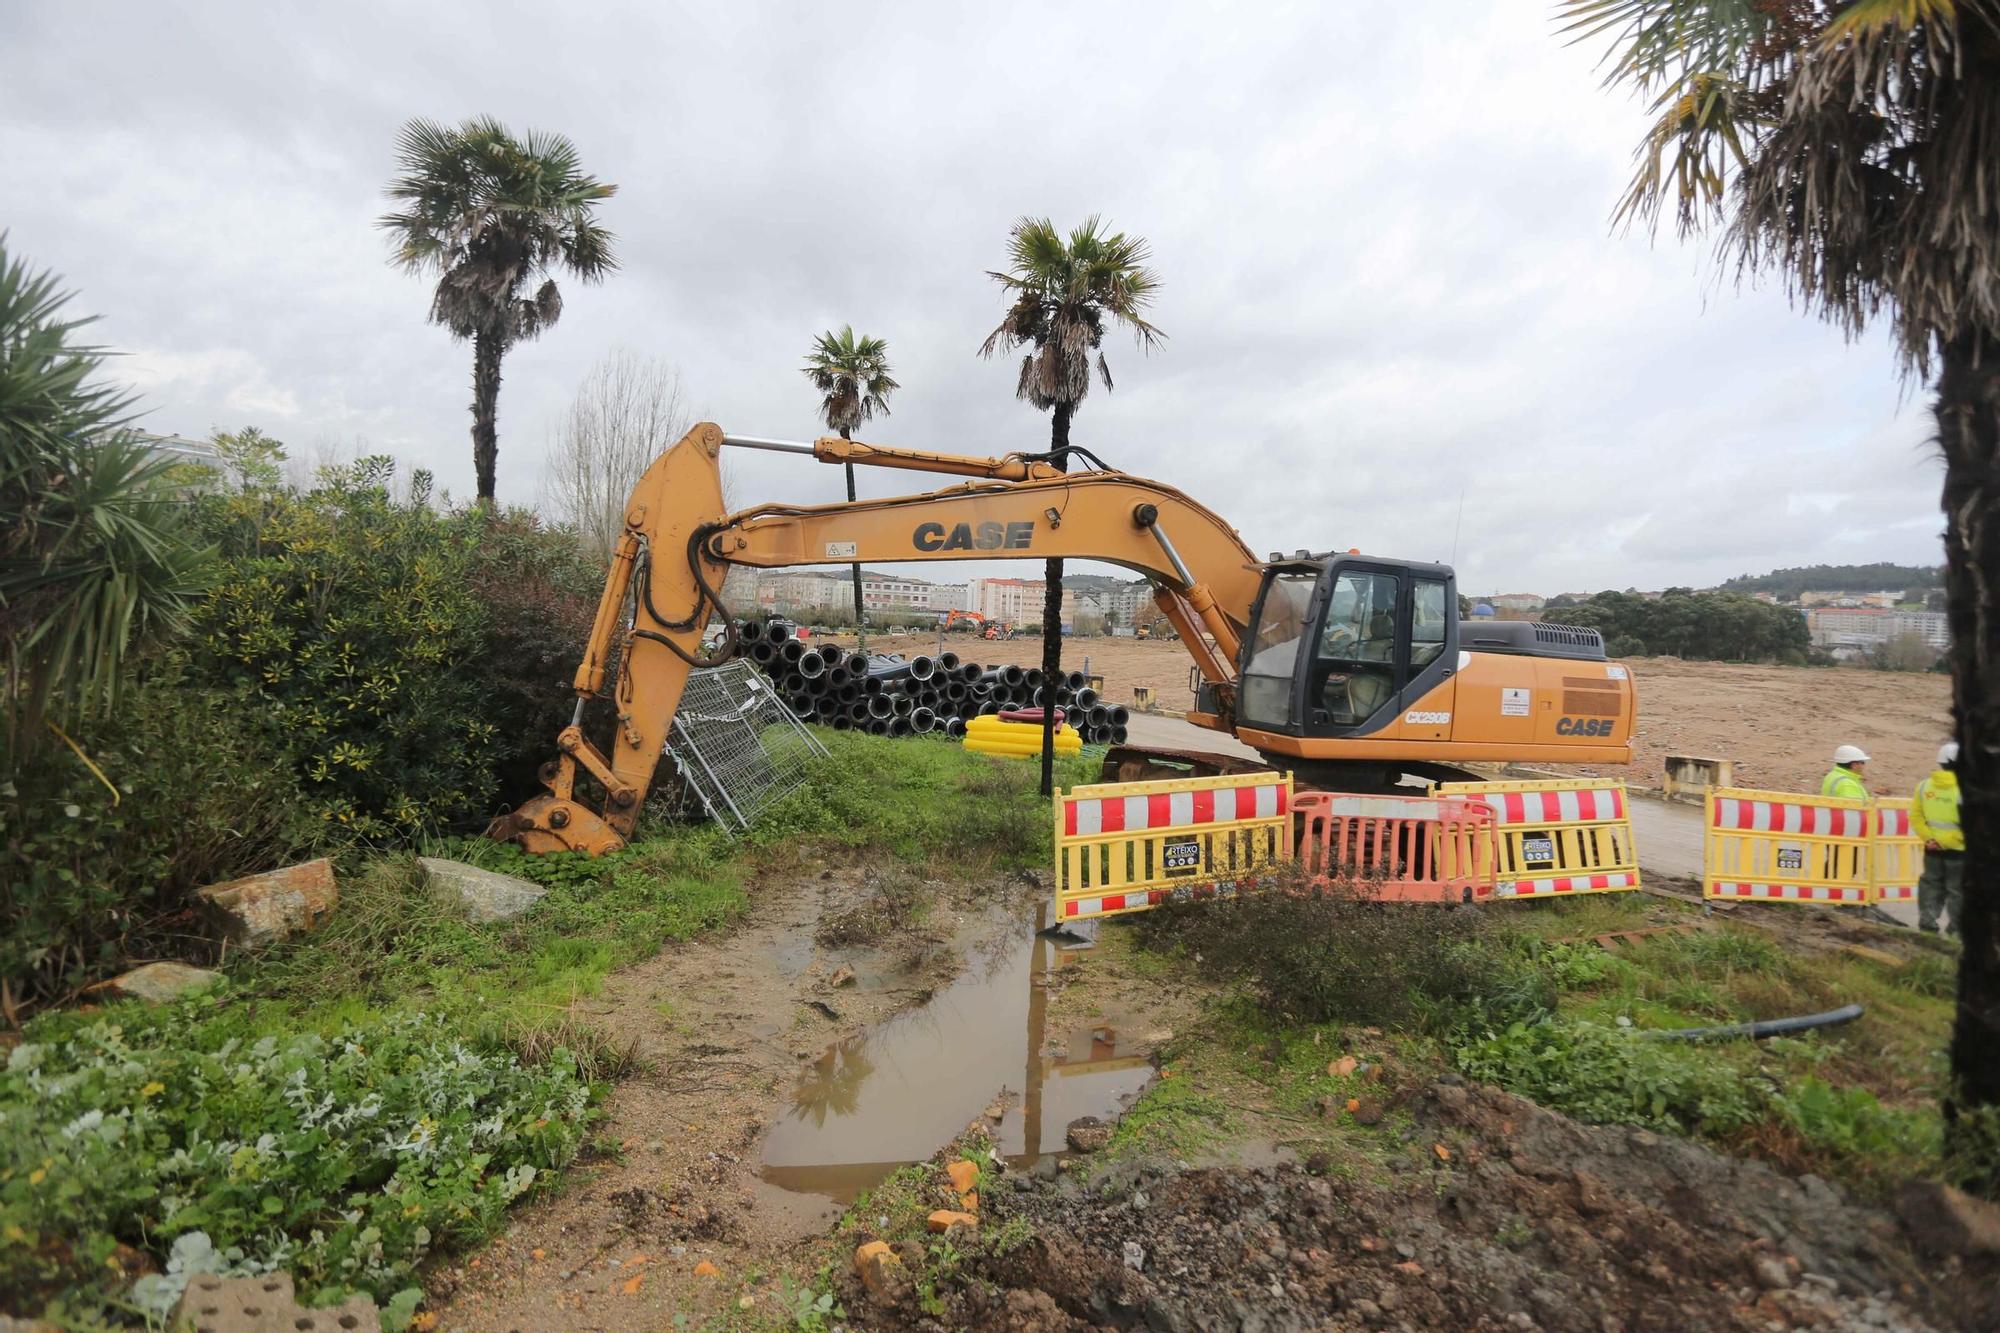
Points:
[[155, 983], [1689, 776], [487, 895], [264, 1305], [261, 910]]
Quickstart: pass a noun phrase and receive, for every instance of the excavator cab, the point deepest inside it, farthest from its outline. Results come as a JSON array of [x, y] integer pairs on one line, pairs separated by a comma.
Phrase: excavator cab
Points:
[[1339, 645]]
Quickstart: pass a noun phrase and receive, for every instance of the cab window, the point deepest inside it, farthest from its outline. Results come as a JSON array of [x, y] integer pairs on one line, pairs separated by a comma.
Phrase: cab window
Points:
[[1356, 666], [1272, 667], [1427, 623]]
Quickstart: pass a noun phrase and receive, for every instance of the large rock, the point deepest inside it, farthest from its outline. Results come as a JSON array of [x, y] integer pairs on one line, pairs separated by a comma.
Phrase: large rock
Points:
[[264, 1305], [261, 910], [487, 895], [1088, 1134], [155, 983]]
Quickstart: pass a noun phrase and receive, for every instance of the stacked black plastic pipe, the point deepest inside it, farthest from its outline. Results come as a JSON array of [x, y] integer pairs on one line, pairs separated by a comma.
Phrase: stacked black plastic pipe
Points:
[[892, 695]]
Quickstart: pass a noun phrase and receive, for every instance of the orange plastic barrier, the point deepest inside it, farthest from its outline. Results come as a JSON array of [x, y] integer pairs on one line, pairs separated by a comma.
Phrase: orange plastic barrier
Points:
[[1425, 849]]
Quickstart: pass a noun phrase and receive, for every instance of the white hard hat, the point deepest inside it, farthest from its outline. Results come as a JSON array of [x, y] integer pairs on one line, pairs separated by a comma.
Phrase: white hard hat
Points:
[[1850, 754], [1947, 753]]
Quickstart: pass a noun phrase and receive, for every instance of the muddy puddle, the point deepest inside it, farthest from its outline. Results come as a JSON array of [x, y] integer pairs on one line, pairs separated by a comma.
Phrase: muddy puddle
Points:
[[892, 1095]]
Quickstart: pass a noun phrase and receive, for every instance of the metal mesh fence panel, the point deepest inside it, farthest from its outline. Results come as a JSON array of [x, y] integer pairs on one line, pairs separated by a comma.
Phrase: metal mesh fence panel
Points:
[[736, 745]]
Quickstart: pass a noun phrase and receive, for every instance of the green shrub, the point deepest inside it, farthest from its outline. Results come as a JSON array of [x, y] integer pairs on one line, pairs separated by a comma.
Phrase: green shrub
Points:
[[419, 660], [539, 592], [205, 793], [1610, 1076], [1329, 955], [349, 612], [183, 1131]]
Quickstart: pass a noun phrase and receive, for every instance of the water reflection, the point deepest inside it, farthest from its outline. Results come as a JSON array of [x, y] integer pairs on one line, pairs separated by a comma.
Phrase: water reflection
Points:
[[831, 1084], [868, 1105]]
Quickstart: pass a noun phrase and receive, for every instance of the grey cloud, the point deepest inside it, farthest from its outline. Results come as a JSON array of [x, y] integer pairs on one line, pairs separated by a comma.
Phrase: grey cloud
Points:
[[1382, 291]]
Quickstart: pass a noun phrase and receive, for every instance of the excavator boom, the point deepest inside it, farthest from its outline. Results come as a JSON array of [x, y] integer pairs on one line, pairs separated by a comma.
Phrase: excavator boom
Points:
[[678, 543]]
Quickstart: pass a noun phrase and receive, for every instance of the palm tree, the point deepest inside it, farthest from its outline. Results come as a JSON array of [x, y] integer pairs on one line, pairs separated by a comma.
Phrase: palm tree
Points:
[[1063, 291], [96, 554], [1848, 147], [490, 215], [852, 376]]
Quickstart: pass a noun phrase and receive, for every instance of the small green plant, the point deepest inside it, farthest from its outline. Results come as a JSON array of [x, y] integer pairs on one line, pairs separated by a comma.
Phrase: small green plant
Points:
[[811, 1309], [185, 1131], [1930, 974], [1008, 1236], [1611, 1077], [1733, 950], [1850, 1123]]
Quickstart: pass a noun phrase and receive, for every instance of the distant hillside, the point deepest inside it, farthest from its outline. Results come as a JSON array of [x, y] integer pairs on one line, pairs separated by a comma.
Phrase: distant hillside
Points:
[[1789, 583], [1093, 582]]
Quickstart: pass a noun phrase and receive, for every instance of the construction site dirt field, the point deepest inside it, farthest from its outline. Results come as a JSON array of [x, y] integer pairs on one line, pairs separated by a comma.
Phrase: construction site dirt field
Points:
[[1779, 724]]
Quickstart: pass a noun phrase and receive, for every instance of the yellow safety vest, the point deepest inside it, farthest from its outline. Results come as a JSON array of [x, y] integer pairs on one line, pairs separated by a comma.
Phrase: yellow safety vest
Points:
[[1843, 784], [1934, 811]]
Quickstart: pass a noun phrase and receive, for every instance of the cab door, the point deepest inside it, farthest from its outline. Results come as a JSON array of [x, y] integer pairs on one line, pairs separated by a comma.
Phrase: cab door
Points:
[[1386, 640]]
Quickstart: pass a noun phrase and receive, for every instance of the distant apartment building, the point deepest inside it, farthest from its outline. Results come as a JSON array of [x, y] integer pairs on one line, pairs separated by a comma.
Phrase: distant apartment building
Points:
[[1866, 626], [739, 589], [789, 592], [1015, 601], [890, 592], [1519, 603]]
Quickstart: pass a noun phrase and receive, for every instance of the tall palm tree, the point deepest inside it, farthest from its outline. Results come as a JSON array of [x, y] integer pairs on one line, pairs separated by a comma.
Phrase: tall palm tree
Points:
[[851, 374], [1063, 291], [491, 215], [1849, 147]]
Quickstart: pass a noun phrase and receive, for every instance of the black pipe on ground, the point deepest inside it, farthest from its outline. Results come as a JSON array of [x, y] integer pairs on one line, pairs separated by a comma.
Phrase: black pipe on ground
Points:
[[1769, 1027]]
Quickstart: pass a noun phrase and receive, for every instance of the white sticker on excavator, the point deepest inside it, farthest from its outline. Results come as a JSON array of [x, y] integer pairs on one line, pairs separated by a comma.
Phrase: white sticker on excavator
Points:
[[1515, 702], [1614, 673], [1418, 719], [840, 550]]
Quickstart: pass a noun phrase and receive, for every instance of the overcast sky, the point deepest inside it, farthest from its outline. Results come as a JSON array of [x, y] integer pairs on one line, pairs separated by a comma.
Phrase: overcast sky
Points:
[[1386, 269]]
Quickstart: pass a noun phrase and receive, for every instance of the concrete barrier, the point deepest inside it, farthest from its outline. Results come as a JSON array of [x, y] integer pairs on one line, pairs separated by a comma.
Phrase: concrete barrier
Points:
[[1689, 776]]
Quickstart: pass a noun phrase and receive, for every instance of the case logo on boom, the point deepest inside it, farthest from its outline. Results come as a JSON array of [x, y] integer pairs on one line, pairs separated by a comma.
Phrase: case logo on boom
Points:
[[974, 537]]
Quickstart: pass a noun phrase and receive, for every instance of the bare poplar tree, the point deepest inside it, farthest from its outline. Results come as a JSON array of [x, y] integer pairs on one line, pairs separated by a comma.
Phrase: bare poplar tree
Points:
[[628, 409]]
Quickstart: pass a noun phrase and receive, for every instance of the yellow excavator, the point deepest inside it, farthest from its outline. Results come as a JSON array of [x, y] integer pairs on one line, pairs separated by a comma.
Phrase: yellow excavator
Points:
[[1351, 671]]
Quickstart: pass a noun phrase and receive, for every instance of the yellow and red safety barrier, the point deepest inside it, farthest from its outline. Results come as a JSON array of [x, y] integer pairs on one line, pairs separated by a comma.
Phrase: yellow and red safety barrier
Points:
[[1127, 846], [1790, 847], [1424, 849], [1896, 859], [1556, 838]]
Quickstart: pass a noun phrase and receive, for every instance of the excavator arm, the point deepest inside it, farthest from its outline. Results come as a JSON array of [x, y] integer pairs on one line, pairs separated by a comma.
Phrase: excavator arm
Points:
[[667, 572]]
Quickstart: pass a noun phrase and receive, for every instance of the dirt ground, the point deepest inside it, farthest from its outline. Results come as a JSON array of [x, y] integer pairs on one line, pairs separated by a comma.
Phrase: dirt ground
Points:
[[1779, 724], [1496, 1214], [719, 1028]]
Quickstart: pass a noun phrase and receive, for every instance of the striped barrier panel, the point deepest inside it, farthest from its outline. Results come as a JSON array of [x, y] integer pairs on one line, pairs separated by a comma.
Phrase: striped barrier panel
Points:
[[1127, 846], [1896, 854], [1553, 839], [1785, 847], [1397, 848]]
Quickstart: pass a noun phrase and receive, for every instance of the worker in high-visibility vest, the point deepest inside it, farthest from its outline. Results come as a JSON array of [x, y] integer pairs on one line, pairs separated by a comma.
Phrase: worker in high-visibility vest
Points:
[[1844, 782], [1934, 818]]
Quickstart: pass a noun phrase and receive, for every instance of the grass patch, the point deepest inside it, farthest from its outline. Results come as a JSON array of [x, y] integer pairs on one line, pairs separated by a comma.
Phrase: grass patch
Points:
[[1519, 996]]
